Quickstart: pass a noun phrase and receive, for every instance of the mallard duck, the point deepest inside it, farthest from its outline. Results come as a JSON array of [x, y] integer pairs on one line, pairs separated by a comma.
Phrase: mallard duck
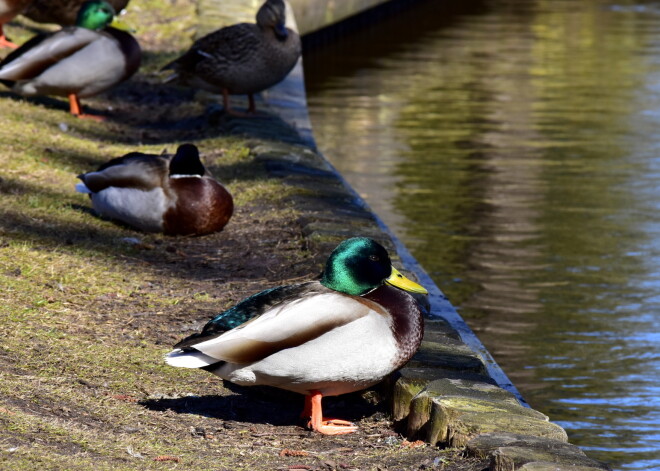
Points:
[[340, 334], [241, 59], [8, 10], [62, 12], [77, 61], [160, 193]]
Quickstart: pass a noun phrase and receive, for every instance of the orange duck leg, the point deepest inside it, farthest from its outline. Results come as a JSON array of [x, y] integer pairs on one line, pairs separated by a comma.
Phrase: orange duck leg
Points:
[[76, 109], [4, 42], [319, 423]]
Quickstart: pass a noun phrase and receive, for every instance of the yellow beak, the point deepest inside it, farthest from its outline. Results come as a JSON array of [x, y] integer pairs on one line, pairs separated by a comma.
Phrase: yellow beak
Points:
[[400, 281], [120, 25]]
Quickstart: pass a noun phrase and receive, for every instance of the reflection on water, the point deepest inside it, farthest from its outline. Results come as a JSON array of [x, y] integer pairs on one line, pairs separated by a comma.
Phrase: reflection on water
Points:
[[514, 147]]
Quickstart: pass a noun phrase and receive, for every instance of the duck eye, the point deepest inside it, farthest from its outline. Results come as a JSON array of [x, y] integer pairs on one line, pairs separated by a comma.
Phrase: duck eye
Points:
[[374, 258]]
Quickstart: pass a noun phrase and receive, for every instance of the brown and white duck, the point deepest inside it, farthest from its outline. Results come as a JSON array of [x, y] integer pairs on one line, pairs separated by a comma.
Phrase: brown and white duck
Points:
[[342, 333], [173, 194], [77, 61], [241, 59]]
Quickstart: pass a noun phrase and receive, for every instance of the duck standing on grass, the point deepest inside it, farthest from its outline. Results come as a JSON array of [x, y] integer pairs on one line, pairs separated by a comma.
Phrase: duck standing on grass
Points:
[[160, 193], [340, 334], [241, 59], [77, 61], [8, 10]]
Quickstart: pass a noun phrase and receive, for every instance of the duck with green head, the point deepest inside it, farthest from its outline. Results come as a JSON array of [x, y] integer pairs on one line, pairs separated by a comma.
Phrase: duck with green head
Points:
[[77, 61], [241, 59], [340, 334]]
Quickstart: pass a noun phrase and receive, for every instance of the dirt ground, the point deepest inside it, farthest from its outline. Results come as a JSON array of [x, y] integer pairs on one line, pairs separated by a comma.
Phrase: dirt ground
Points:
[[88, 308]]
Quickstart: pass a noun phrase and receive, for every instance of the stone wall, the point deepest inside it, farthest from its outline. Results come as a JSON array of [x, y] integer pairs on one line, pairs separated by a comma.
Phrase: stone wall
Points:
[[312, 15]]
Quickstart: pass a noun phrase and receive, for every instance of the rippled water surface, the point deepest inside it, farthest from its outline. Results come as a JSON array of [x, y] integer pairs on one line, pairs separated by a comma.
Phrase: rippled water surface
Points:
[[514, 146]]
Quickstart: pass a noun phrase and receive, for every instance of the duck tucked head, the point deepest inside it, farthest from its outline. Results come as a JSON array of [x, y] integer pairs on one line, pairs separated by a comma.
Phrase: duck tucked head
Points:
[[186, 162], [272, 14], [360, 265], [95, 15]]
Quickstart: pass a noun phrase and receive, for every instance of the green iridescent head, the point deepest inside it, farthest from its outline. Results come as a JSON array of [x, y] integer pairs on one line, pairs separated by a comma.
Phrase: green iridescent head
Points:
[[95, 15], [360, 265]]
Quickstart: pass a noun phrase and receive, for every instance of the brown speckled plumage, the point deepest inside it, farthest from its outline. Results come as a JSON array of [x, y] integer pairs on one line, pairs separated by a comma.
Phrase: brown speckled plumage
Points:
[[244, 58]]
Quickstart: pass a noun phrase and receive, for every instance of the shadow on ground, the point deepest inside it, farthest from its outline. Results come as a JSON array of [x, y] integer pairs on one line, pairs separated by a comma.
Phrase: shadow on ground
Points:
[[265, 405]]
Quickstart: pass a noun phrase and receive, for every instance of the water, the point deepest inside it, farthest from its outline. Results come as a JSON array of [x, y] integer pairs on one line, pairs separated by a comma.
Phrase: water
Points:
[[514, 147]]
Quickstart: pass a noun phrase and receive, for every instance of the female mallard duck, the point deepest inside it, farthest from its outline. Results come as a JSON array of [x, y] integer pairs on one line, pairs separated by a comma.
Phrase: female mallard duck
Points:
[[8, 10], [77, 61], [337, 335], [160, 193], [62, 12], [241, 59]]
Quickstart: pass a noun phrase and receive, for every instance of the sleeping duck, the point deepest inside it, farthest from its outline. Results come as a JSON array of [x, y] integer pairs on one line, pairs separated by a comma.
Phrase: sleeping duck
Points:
[[8, 10], [342, 333], [241, 59], [61, 12], [77, 61], [160, 193]]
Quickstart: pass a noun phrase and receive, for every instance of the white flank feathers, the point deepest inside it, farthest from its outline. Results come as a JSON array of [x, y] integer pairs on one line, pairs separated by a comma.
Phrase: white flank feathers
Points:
[[141, 209], [183, 359]]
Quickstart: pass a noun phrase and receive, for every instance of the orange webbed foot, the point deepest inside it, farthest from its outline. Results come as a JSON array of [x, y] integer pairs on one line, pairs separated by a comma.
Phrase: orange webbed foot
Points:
[[327, 427], [324, 425], [75, 108], [93, 117], [4, 42]]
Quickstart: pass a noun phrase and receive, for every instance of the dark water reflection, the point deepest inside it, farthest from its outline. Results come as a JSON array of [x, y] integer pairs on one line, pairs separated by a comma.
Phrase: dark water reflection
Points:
[[514, 146]]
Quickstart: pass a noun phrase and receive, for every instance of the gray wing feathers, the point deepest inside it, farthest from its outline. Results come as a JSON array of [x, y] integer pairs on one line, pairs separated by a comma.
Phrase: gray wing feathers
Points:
[[46, 53]]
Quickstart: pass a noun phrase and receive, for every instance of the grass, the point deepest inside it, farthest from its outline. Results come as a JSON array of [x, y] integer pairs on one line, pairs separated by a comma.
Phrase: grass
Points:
[[83, 311], [89, 307]]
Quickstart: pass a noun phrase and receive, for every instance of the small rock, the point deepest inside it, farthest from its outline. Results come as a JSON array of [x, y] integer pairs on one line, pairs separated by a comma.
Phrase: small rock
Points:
[[197, 431], [391, 440], [133, 453]]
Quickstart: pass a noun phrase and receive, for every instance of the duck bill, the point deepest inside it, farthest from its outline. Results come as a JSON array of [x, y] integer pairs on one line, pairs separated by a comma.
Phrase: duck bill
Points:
[[400, 281], [281, 32], [121, 25]]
